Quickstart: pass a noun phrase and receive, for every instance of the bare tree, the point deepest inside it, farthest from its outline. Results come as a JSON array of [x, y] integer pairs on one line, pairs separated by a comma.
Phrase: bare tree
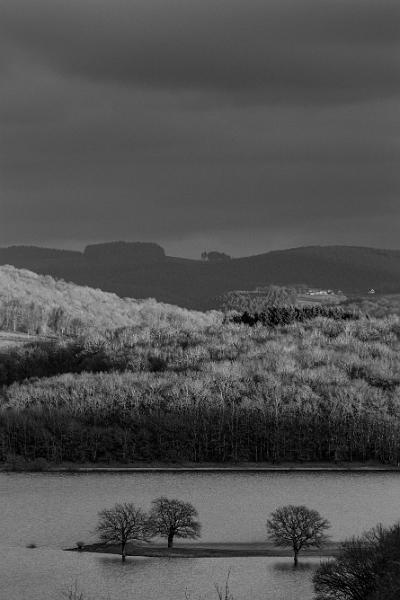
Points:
[[122, 524], [297, 527], [366, 568], [174, 518]]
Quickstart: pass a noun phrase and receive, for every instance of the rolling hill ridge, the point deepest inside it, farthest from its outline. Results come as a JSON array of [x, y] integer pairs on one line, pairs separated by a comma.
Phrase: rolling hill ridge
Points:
[[142, 270]]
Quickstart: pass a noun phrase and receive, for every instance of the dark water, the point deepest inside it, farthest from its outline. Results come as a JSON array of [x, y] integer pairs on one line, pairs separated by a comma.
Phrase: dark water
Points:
[[54, 511]]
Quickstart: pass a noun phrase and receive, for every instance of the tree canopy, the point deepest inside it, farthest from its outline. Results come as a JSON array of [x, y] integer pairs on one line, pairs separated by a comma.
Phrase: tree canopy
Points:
[[297, 527], [122, 524], [367, 568], [215, 256], [174, 518]]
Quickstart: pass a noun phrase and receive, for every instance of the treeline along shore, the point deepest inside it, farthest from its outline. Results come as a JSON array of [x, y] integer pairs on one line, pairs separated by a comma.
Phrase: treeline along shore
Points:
[[177, 385]]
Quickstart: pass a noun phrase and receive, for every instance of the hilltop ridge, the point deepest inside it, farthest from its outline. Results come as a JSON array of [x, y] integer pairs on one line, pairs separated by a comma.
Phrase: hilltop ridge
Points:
[[143, 270]]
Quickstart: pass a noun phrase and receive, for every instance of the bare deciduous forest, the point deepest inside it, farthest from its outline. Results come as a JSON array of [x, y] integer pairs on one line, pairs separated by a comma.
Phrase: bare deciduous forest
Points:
[[141, 381]]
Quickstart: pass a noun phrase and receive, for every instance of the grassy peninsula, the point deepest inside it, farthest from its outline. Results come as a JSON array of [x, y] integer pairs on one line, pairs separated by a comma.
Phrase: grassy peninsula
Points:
[[207, 550]]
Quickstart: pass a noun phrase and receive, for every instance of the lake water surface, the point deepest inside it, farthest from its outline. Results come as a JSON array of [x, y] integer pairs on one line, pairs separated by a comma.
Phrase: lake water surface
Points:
[[44, 574], [54, 511]]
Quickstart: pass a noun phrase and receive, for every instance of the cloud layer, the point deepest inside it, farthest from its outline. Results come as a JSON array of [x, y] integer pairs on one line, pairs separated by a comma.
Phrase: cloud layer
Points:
[[247, 125]]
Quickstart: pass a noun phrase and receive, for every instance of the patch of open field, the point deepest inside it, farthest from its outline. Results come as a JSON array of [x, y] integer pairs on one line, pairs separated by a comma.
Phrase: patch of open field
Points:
[[8, 339], [307, 300]]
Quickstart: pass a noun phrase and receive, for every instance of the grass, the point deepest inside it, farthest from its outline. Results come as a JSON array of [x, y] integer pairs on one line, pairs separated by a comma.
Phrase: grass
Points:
[[9, 340], [207, 550]]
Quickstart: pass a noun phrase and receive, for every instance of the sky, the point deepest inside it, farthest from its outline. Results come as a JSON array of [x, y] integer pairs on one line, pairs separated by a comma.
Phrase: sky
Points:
[[234, 125]]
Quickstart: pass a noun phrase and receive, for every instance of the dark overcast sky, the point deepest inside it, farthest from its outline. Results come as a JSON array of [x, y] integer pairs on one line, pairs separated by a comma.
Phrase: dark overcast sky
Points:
[[237, 125]]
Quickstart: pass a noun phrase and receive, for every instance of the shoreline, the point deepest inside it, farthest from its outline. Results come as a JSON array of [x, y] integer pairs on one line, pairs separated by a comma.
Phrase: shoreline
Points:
[[211, 550], [284, 467]]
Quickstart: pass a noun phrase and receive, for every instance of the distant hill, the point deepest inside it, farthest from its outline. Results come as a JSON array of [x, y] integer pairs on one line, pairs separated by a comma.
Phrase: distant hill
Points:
[[141, 270], [136, 252]]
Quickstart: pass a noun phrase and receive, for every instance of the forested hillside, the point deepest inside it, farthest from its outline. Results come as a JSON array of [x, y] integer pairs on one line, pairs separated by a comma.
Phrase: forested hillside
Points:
[[375, 306], [39, 304], [178, 385], [144, 271]]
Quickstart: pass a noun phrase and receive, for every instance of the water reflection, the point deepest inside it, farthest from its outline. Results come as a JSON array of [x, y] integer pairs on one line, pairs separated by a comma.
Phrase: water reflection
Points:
[[284, 567], [113, 567], [50, 574]]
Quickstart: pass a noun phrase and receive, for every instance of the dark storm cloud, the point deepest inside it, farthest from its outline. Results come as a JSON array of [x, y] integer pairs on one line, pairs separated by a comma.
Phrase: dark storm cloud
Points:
[[246, 124], [276, 50]]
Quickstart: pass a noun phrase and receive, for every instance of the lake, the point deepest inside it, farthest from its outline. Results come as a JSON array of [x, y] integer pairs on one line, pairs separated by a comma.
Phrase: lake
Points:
[[54, 511]]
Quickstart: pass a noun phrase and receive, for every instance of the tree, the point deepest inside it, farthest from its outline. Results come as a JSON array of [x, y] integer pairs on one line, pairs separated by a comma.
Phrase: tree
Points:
[[174, 518], [122, 524], [297, 527], [215, 256], [366, 568]]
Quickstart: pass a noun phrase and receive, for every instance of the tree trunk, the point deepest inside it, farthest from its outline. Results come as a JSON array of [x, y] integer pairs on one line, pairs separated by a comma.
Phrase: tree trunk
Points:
[[123, 551], [170, 540], [295, 558]]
